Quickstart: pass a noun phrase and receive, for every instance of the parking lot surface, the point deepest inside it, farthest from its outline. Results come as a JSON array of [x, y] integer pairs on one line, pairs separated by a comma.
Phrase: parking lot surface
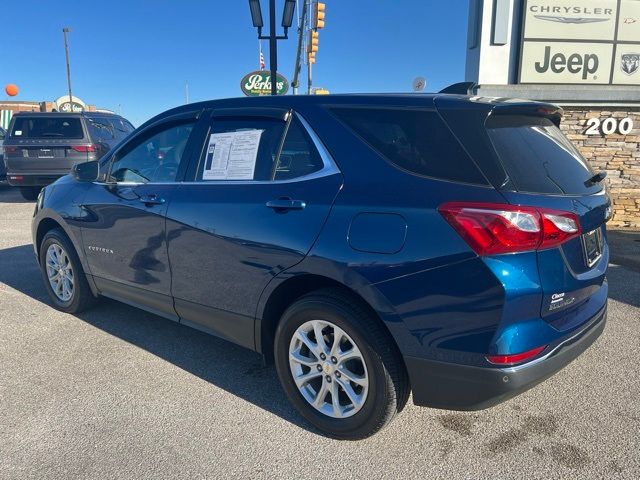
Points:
[[119, 393]]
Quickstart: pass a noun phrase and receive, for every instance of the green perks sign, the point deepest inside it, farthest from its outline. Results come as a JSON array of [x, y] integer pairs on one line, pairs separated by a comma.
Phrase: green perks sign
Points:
[[259, 83]]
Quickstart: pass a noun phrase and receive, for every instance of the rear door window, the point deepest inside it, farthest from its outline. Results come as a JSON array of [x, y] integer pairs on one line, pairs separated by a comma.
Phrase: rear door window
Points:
[[537, 157], [241, 149], [258, 149], [414, 140], [47, 127]]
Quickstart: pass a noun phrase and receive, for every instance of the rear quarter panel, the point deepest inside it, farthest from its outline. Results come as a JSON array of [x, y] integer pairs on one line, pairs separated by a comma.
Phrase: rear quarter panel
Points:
[[433, 294]]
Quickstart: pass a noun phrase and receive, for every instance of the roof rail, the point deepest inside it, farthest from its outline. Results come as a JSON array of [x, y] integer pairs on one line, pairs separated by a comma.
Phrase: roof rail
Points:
[[461, 88]]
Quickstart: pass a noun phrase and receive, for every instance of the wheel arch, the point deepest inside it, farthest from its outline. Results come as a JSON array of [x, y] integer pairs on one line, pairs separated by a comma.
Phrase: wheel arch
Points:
[[46, 225], [292, 288], [49, 222]]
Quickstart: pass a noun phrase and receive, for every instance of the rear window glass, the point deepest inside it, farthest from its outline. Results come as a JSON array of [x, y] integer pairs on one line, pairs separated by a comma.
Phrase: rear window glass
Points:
[[414, 140], [47, 127], [537, 157]]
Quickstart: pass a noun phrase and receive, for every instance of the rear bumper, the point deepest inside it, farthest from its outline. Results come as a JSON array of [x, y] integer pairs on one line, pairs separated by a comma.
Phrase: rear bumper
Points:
[[33, 179], [462, 387]]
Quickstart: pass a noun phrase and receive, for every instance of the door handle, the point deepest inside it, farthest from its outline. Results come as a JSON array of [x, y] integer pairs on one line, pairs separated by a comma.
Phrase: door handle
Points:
[[285, 204], [151, 199]]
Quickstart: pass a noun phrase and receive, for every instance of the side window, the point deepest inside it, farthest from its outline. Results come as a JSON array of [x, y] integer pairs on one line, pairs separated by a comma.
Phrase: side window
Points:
[[241, 149], [121, 128], [298, 156], [155, 158], [415, 140], [100, 130]]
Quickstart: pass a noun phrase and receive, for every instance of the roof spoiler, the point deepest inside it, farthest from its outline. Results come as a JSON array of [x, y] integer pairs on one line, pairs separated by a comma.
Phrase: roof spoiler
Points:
[[548, 110], [460, 88]]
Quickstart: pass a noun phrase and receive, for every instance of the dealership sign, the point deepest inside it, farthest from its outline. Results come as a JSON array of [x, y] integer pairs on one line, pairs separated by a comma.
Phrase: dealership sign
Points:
[[259, 83], [64, 105], [581, 42]]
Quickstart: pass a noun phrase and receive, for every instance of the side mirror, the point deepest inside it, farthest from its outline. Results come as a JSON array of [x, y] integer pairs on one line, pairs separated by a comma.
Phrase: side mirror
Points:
[[86, 171]]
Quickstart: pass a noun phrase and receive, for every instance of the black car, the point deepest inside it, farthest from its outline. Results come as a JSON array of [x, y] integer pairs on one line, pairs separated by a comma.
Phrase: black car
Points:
[[42, 147]]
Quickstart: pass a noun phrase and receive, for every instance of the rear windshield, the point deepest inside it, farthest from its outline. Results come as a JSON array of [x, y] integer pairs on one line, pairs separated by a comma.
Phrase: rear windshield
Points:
[[537, 157], [47, 127], [414, 140]]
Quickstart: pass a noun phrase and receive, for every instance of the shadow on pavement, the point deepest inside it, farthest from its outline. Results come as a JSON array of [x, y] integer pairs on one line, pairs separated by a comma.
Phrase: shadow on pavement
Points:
[[624, 248], [11, 195], [624, 285], [221, 363]]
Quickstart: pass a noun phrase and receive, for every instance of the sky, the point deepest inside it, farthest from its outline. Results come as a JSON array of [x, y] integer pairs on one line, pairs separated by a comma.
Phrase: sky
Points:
[[136, 56]]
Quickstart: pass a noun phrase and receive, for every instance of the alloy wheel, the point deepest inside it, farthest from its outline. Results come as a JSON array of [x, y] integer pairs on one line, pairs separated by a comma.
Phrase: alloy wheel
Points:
[[328, 368], [60, 272]]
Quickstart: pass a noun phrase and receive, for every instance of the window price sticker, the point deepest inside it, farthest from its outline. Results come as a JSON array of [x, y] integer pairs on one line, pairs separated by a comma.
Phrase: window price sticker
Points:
[[232, 155]]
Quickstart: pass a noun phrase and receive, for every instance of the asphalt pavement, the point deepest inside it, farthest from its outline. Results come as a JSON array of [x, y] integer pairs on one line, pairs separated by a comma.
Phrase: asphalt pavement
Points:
[[119, 393]]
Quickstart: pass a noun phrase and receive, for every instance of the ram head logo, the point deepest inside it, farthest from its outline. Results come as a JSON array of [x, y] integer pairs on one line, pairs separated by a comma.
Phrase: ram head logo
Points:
[[630, 62]]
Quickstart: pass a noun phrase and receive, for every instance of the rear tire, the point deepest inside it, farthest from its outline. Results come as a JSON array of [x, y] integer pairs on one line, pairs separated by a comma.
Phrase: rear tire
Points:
[[62, 272], [364, 368], [30, 193]]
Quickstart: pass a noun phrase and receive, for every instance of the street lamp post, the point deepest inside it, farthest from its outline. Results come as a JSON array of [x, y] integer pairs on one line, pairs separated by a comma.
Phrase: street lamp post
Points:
[[287, 20], [65, 31]]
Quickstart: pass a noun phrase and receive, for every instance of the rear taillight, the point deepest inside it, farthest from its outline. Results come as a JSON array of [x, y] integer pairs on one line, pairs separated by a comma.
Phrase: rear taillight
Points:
[[10, 149], [84, 148], [516, 358], [494, 228]]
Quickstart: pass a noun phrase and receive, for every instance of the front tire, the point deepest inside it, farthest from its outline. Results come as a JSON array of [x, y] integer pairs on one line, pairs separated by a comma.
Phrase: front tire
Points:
[[338, 365], [30, 193], [63, 275]]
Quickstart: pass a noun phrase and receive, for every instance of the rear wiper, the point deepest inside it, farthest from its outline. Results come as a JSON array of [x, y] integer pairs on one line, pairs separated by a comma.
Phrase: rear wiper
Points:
[[597, 178]]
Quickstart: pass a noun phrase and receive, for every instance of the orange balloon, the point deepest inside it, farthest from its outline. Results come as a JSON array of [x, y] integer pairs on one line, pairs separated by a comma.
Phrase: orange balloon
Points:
[[11, 89]]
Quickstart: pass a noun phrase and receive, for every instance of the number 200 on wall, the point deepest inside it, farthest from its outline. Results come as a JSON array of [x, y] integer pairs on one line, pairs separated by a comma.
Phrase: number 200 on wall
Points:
[[610, 125]]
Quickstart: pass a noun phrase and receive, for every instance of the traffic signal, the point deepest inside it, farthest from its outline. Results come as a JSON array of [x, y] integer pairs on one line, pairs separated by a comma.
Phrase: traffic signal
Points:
[[311, 58], [314, 38], [318, 15]]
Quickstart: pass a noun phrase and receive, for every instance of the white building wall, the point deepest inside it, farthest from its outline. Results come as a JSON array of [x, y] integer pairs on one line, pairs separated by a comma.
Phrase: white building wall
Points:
[[488, 61]]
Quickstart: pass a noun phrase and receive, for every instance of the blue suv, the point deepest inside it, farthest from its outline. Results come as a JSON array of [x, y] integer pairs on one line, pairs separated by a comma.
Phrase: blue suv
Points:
[[369, 245]]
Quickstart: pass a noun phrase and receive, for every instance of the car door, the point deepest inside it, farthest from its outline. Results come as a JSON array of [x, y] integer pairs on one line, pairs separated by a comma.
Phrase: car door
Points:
[[124, 232], [261, 190]]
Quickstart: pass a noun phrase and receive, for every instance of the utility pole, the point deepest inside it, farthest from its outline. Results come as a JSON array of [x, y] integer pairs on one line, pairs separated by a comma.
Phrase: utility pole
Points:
[[186, 93], [295, 83], [310, 80], [66, 30]]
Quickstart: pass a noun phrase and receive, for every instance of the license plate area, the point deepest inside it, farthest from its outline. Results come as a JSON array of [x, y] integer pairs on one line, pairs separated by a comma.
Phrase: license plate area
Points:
[[45, 153], [592, 246]]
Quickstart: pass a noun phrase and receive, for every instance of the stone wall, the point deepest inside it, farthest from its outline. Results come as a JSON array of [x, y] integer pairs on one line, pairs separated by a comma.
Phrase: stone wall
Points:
[[618, 155]]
